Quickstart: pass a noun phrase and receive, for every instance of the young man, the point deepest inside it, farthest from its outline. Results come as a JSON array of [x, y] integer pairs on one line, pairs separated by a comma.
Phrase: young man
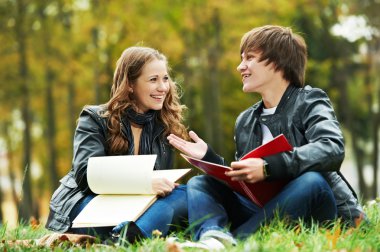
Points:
[[273, 61]]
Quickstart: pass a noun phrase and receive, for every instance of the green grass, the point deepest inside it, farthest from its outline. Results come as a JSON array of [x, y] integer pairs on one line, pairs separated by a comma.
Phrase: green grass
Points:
[[274, 237]]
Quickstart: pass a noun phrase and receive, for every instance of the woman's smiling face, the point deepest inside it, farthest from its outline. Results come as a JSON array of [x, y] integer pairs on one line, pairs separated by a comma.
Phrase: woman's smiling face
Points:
[[151, 86]]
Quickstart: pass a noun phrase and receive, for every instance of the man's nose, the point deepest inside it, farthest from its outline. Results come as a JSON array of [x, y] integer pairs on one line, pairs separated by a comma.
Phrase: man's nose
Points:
[[241, 66]]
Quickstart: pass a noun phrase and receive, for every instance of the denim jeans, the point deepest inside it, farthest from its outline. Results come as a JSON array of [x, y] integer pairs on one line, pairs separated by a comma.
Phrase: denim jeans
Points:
[[214, 206], [166, 214]]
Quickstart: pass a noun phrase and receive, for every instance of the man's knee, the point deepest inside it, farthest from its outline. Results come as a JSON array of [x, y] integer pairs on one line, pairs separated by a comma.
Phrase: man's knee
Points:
[[313, 180], [198, 181], [312, 176]]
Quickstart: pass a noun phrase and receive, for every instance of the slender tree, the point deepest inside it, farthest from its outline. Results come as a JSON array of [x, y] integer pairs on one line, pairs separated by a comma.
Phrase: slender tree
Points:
[[49, 90], [66, 19], [95, 43], [211, 100], [26, 206], [9, 146]]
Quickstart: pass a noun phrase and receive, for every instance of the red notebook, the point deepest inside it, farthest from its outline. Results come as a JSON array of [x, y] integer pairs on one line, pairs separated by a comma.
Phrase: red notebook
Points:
[[261, 192]]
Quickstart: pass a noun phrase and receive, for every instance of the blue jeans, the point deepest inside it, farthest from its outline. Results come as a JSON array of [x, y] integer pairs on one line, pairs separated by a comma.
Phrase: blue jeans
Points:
[[166, 214], [214, 206]]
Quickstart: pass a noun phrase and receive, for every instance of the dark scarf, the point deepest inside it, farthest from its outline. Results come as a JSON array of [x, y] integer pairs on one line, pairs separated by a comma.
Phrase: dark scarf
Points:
[[147, 120]]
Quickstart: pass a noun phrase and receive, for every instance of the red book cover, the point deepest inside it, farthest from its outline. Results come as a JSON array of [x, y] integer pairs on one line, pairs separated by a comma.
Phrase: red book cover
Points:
[[260, 192]]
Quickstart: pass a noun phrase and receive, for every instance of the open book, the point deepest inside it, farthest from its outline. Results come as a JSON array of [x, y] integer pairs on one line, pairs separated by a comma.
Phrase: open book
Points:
[[124, 185], [261, 192]]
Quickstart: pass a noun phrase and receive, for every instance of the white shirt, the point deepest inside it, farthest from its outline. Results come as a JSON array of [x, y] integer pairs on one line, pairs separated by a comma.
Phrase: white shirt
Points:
[[267, 135]]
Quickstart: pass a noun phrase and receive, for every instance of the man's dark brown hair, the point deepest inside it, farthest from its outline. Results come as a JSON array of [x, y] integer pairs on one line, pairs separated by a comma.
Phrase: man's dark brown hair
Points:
[[280, 46]]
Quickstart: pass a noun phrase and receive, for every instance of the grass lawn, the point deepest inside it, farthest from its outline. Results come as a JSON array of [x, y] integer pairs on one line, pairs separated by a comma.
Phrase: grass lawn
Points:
[[274, 237]]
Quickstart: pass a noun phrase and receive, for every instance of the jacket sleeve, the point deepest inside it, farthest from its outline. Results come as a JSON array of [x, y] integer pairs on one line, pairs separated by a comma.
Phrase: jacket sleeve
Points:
[[89, 141], [324, 147], [212, 157]]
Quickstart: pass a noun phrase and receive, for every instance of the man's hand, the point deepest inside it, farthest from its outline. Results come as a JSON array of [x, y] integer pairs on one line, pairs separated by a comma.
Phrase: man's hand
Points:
[[250, 170], [162, 186], [196, 149]]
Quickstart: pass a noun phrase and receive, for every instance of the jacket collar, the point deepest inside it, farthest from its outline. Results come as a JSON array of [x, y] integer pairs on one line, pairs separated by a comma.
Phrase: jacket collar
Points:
[[157, 130], [258, 108]]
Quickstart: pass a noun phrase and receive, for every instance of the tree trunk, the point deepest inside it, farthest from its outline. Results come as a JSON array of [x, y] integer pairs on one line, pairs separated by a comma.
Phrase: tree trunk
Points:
[[376, 116], [1, 203], [12, 175], [26, 205], [369, 82], [369, 99], [95, 41], [66, 19], [347, 119], [211, 91], [214, 73], [51, 131], [49, 99], [71, 108], [359, 157]]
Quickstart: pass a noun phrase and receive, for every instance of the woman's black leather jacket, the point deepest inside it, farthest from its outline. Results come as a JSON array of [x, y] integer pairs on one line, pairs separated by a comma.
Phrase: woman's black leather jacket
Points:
[[90, 140]]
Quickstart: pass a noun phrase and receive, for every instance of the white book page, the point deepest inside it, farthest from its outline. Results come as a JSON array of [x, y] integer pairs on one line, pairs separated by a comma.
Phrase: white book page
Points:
[[130, 174], [171, 175], [110, 210]]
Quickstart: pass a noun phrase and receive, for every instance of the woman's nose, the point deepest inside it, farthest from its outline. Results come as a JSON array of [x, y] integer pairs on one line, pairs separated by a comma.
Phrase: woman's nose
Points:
[[163, 86]]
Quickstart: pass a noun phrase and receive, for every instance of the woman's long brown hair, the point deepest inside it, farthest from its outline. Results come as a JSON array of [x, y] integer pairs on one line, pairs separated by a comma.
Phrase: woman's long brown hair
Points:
[[128, 68]]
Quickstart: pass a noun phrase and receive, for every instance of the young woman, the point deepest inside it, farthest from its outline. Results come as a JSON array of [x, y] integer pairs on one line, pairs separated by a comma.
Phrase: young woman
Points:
[[143, 110]]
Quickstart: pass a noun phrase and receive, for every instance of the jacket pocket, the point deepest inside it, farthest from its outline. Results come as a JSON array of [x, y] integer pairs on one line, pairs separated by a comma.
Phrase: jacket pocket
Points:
[[57, 222], [64, 192]]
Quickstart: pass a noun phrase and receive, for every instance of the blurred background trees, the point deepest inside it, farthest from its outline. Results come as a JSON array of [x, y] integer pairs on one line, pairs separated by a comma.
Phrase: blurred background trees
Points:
[[59, 55]]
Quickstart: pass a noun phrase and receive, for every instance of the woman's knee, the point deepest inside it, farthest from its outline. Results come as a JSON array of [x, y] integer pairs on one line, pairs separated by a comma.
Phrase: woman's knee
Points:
[[177, 197]]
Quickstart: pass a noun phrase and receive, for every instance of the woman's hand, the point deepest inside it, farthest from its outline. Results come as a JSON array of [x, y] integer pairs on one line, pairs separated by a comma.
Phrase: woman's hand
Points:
[[196, 149], [250, 170], [162, 186]]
